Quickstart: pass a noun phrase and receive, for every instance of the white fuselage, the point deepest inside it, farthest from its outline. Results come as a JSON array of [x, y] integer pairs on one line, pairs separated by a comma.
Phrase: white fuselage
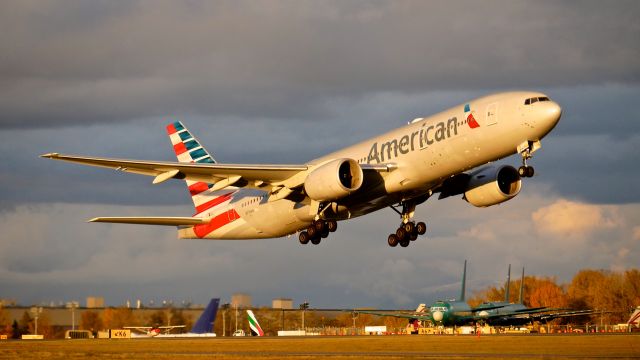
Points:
[[424, 153]]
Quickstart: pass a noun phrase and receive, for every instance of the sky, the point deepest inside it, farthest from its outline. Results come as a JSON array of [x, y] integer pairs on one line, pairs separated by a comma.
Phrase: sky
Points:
[[286, 82]]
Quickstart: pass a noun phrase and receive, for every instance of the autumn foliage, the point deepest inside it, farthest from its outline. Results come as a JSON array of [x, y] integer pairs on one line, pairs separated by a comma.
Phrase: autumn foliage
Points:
[[614, 292]]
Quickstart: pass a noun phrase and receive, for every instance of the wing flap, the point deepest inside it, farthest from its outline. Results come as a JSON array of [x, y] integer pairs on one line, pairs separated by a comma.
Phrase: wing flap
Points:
[[151, 220]]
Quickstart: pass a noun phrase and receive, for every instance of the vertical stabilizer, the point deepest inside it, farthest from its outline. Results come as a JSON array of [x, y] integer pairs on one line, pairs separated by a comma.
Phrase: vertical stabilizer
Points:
[[464, 280], [256, 330], [204, 324], [521, 299], [507, 288], [189, 150], [634, 320]]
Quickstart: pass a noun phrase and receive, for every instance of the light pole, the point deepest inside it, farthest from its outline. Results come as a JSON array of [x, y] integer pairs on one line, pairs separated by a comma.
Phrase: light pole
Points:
[[304, 306], [73, 305], [36, 311], [225, 307]]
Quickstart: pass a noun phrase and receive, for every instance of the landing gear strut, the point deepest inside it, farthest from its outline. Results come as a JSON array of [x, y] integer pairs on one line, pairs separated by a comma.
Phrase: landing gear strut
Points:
[[409, 230], [318, 230], [526, 150]]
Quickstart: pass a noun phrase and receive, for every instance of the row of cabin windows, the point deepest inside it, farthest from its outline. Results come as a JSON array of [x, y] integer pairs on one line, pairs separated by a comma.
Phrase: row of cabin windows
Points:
[[530, 101]]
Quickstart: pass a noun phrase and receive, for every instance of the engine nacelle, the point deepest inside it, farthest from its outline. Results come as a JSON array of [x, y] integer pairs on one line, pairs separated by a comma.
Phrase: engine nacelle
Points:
[[334, 180], [493, 185]]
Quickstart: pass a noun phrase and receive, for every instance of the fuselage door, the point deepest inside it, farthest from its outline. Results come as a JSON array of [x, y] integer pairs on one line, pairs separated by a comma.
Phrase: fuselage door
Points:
[[492, 114]]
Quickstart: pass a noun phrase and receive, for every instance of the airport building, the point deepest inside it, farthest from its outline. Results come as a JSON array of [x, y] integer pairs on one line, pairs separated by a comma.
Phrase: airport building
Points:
[[240, 300], [282, 303]]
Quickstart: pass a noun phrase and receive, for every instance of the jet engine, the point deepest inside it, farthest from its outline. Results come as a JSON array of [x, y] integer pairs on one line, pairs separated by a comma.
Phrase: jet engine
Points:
[[493, 185], [334, 180]]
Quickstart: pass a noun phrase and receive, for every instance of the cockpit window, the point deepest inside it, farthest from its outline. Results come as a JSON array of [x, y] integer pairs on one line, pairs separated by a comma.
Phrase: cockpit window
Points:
[[532, 100]]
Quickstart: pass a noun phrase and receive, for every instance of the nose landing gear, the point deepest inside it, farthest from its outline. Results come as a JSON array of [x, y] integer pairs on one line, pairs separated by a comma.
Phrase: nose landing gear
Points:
[[526, 150]]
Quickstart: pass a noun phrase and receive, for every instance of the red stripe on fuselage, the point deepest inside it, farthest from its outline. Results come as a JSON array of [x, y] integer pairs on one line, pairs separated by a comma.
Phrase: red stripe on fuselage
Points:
[[197, 188], [171, 129], [217, 201], [216, 223], [179, 148]]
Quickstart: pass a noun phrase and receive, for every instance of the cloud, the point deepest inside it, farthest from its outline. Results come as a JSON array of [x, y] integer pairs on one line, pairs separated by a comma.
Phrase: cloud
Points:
[[114, 62], [570, 219]]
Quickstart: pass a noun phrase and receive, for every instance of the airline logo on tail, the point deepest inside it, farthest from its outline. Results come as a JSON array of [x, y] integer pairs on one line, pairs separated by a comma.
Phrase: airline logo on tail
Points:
[[469, 116], [256, 330]]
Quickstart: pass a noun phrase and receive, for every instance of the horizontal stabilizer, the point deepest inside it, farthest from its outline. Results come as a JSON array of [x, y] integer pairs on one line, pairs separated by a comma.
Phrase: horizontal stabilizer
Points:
[[170, 221]]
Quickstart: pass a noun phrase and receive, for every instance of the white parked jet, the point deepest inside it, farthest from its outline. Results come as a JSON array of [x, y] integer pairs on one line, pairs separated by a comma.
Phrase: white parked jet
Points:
[[447, 153]]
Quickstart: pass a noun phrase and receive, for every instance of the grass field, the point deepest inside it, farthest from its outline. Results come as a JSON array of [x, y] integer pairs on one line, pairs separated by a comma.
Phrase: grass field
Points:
[[370, 347]]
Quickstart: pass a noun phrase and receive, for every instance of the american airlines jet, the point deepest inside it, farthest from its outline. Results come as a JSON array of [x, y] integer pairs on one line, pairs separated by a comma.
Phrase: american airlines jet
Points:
[[450, 153]]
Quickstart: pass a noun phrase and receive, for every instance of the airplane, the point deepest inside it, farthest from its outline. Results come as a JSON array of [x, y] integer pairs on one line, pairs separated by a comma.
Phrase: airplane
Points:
[[502, 313], [203, 327], [450, 153], [634, 320], [256, 330], [445, 313]]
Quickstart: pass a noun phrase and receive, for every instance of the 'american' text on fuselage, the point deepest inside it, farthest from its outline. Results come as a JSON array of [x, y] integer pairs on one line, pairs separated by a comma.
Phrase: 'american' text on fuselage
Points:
[[427, 136]]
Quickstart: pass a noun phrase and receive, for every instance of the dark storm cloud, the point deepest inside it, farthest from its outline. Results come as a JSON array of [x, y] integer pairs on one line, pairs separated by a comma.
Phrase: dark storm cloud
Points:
[[85, 62]]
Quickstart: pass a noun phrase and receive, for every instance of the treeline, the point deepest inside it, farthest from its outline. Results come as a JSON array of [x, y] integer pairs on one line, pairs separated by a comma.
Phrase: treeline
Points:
[[615, 293]]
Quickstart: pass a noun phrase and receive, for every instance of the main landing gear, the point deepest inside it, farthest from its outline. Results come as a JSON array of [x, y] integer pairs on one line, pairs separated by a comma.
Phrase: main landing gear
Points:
[[409, 230], [318, 230]]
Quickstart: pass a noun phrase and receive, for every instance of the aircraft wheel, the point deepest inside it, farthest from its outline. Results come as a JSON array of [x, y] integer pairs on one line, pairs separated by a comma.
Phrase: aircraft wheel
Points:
[[522, 171], [530, 171], [332, 225], [401, 233], [303, 237], [315, 240], [392, 240], [324, 233], [409, 227], [413, 236], [312, 231], [320, 225], [421, 228], [405, 242]]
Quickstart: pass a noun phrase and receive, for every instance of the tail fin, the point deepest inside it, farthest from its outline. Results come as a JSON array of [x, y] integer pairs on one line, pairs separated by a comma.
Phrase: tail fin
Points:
[[464, 280], [256, 330], [188, 150], [421, 308], [521, 299], [204, 324], [507, 288]]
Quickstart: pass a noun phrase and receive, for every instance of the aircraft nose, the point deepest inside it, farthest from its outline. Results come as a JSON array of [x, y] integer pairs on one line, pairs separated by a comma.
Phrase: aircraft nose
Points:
[[551, 113], [437, 316]]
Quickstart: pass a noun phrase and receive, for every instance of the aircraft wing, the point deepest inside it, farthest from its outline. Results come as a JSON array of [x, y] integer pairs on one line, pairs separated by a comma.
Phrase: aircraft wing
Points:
[[417, 316], [252, 175], [152, 220]]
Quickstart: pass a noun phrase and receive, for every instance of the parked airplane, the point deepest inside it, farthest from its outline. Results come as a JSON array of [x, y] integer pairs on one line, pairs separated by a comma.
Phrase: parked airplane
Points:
[[446, 313], [501, 313], [203, 327], [448, 153]]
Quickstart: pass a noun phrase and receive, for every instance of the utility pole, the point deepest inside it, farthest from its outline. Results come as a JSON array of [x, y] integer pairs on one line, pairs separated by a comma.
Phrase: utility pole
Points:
[[73, 305], [225, 308], [236, 306]]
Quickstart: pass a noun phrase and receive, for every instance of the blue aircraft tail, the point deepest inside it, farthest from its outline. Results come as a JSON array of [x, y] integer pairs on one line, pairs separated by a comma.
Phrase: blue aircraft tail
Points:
[[204, 324]]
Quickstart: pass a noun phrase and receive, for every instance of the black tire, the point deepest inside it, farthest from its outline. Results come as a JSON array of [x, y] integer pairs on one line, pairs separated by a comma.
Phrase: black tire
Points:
[[522, 171], [315, 240], [392, 240], [413, 236], [332, 225], [324, 233], [530, 171], [303, 237], [320, 225], [312, 231], [421, 228], [409, 227], [405, 242], [401, 234]]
